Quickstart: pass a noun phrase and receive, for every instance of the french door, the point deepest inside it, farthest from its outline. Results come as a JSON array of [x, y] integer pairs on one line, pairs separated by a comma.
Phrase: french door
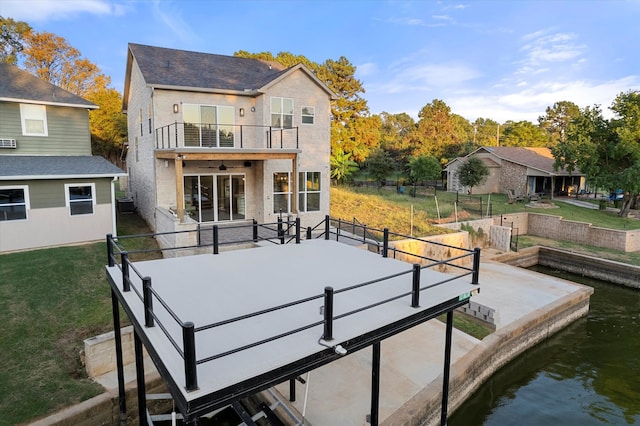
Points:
[[215, 198]]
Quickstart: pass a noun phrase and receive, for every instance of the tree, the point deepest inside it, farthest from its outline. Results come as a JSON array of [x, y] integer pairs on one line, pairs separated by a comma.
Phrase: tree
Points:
[[485, 132], [12, 35], [438, 128], [556, 120], [425, 167], [473, 172], [394, 131], [606, 151], [523, 133], [108, 124], [342, 166], [379, 165]]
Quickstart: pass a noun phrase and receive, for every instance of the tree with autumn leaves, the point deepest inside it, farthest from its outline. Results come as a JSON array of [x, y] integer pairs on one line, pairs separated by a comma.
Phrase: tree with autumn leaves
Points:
[[53, 59]]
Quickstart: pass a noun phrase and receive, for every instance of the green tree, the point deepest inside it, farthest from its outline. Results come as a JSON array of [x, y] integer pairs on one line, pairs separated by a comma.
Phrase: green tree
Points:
[[523, 133], [380, 165], [342, 166], [556, 120], [394, 132], [485, 132], [606, 151], [425, 167], [12, 35], [438, 128], [473, 172]]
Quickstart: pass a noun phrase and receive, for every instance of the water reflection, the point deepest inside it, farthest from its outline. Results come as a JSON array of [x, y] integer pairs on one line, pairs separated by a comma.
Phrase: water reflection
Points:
[[587, 374]]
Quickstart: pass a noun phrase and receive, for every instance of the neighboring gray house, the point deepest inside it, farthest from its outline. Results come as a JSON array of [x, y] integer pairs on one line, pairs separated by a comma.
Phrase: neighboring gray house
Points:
[[52, 190], [220, 139], [526, 171]]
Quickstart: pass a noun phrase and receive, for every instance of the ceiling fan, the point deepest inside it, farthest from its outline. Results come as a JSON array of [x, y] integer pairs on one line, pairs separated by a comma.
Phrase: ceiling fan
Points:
[[222, 166]]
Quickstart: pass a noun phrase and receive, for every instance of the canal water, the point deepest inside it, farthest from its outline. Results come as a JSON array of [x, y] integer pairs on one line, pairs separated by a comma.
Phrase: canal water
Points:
[[586, 374]]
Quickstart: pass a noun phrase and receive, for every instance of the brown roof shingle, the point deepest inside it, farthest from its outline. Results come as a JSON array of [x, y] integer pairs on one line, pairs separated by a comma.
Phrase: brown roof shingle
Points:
[[536, 158]]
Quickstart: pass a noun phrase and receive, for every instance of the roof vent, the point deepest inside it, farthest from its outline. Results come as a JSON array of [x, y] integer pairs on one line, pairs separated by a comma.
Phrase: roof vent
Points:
[[8, 143]]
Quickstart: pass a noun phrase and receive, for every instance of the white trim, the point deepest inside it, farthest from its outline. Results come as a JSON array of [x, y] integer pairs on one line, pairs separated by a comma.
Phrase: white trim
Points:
[[68, 201], [27, 203]]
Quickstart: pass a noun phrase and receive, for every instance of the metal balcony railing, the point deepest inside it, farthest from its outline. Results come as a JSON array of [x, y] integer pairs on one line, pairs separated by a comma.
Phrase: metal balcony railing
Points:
[[241, 136]]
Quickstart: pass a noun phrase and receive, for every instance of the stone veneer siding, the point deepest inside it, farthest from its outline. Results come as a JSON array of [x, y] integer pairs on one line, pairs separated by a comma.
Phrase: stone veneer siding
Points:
[[514, 177]]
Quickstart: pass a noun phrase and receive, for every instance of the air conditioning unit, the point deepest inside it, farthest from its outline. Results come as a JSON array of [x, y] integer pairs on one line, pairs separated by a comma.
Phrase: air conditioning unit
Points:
[[8, 143]]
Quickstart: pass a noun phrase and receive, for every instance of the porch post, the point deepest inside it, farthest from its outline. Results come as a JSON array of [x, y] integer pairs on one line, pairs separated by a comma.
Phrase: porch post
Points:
[[179, 188], [122, 397], [447, 367], [375, 384], [142, 392]]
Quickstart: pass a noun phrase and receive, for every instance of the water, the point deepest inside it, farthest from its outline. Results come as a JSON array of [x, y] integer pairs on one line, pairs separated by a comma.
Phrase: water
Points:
[[587, 374]]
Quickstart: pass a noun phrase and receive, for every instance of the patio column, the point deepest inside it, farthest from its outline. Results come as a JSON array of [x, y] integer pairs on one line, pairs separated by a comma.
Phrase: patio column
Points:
[[179, 188]]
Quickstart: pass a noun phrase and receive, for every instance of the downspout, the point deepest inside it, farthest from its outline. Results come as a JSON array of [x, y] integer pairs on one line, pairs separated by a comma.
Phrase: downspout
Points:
[[114, 230]]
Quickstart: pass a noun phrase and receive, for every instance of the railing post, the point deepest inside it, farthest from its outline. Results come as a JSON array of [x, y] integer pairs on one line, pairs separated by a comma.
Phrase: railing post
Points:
[[415, 291], [297, 137], [255, 231], [216, 247], [280, 231], [199, 229], [148, 302], [241, 126], [328, 314], [385, 242], [339, 228], [476, 265], [269, 136], [327, 223], [281, 137], [308, 233], [110, 261], [176, 131], [364, 233], [124, 260], [297, 230], [189, 344]]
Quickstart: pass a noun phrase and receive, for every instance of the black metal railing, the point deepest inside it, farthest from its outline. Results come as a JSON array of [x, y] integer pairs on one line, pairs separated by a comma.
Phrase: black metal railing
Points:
[[142, 287], [206, 135]]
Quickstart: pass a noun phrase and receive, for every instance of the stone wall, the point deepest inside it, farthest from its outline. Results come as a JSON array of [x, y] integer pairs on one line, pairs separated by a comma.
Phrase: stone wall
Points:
[[514, 177]]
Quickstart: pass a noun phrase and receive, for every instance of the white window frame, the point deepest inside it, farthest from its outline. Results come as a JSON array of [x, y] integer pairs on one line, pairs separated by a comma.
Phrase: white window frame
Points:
[[34, 113], [302, 194], [310, 113], [287, 193], [69, 202], [219, 126], [281, 113], [26, 203]]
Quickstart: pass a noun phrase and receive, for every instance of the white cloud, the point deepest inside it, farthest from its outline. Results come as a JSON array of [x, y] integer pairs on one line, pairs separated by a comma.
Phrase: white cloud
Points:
[[43, 10], [171, 17], [366, 69], [541, 47]]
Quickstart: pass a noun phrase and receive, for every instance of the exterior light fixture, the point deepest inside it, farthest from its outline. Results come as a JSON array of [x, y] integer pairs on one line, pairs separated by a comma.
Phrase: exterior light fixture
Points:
[[175, 108], [241, 112]]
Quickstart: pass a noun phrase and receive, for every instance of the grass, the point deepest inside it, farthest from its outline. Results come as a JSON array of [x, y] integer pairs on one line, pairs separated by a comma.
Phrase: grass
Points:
[[50, 301]]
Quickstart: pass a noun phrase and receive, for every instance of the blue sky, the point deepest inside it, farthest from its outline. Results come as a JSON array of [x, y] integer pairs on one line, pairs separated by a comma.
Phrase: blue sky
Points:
[[504, 60]]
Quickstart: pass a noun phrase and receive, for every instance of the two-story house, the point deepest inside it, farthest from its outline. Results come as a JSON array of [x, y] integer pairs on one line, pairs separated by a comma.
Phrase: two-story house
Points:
[[218, 139], [52, 190]]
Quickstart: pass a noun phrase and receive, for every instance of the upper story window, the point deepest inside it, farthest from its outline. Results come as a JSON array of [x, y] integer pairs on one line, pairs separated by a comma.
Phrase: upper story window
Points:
[[80, 198], [34, 120], [308, 114], [14, 202], [282, 113]]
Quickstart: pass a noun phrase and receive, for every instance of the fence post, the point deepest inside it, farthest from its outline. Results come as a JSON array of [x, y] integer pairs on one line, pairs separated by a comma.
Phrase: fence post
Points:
[[124, 260], [364, 233], [328, 314], [199, 229], [148, 302], [189, 344], [280, 231], [415, 290], [476, 265], [215, 240], [327, 222], [339, 228], [297, 230], [385, 242], [255, 231], [308, 232], [110, 261]]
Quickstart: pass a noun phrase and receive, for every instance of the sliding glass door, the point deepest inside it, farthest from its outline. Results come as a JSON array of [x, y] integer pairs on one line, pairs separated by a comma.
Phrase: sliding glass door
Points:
[[215, 198], [208, 126]]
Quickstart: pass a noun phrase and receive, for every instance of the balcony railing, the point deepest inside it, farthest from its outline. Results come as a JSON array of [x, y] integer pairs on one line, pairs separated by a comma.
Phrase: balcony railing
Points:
[[206, 135]]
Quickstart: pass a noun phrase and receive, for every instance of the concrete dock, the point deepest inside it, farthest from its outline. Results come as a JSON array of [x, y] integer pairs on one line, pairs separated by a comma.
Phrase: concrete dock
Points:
[[528, 307]]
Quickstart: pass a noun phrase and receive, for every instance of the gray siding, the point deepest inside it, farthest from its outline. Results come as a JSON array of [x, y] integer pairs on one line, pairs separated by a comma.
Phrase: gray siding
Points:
[[68, 131], [45, 194]]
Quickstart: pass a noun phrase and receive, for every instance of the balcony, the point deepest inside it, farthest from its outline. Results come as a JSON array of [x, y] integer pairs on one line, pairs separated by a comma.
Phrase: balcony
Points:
[[233, 136]]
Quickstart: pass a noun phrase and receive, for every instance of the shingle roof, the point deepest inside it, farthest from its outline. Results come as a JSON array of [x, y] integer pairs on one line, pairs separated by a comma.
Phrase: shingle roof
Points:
[[18, 167], [181, 68], [536, 158], [19, 85]]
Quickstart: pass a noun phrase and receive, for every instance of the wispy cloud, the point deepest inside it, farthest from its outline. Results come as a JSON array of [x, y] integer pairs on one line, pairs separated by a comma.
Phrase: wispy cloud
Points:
[[542, 47], [171, 17], [45, 10]]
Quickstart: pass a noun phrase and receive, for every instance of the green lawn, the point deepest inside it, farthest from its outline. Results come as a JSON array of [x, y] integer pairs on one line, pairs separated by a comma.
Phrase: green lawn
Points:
[[50, 301]]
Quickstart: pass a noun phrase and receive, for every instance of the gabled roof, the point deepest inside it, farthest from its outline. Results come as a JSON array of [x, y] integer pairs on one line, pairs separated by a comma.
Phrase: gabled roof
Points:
[[25, 167], [17, 85], [186, 70], [533, 157]]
